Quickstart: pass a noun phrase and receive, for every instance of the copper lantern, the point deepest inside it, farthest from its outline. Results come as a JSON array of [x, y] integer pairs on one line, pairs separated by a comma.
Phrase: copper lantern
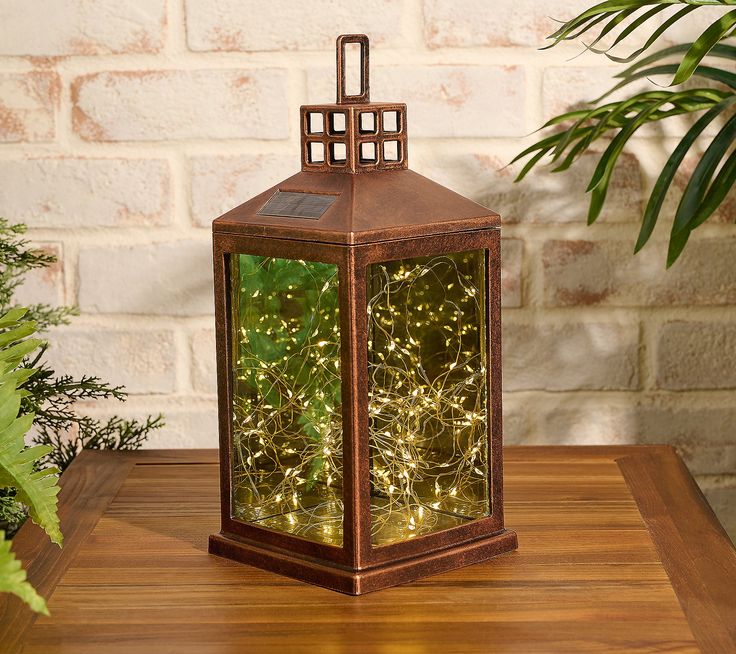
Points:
[[359, 362]]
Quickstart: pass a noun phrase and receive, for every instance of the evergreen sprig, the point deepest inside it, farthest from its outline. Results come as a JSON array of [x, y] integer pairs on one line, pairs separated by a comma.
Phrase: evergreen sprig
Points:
[[53, 397]]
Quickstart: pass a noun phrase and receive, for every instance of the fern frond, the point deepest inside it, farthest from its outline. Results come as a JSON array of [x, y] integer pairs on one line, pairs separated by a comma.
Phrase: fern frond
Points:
[[13, 579]]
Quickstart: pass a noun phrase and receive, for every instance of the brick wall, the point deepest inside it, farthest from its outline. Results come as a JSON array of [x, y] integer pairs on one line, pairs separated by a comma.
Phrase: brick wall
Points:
[[126, 127]]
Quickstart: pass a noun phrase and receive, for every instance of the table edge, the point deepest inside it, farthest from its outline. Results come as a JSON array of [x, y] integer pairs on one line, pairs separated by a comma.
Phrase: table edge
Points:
[[680, 516], [693, 546]]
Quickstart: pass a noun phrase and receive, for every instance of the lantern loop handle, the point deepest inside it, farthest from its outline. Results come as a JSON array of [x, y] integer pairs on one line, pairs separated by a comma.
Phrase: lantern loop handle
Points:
[[364, 95]]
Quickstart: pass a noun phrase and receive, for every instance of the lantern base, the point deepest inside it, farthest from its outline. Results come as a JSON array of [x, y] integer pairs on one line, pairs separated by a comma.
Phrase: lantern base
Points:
[[351, 582]]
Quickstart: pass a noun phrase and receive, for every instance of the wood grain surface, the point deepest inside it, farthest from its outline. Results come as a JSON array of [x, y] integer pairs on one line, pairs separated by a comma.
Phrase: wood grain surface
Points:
[[618, 551]]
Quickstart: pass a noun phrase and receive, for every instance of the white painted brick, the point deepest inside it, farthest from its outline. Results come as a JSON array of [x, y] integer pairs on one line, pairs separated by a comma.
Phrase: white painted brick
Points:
[[543, 196], [703, 435], [449, 101], [512, 252], [582, 356], [192, 425], [204, 362], [219, 184], [173, 278], [565, 88], [190, 422], [181, 104], [144, 361], [517, 425], [74, 27], [474, 23], [696, 355], [70, 192], [606, 273], [28, 106], [250, 25], [547, 197], [43, 285]]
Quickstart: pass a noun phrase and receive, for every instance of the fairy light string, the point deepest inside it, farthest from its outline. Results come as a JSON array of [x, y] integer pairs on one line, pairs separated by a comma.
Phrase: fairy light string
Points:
[[427, 396], [287, 420]]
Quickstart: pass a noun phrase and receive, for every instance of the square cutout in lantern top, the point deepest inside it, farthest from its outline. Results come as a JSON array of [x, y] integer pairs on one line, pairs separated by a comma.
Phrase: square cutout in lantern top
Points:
[[337, 122], [315, 152], [391, 121], [368, 153], [338, 154], [368, 122], [315, 122], [391, 151]]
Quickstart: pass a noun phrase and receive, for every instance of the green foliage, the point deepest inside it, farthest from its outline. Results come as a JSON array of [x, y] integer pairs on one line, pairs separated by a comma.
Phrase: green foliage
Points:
[[33, 486], [31, 393], [17, 258], [58, 427], [12, 512], [13, 579], [114, 434], [614, 123], [313, 313]]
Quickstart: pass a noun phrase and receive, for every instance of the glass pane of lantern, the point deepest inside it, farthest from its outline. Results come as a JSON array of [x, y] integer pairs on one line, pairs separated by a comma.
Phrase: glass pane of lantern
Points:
[[428, 402], [287, 423]]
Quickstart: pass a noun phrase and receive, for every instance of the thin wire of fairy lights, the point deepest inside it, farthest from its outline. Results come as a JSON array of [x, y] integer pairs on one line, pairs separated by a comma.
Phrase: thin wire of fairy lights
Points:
[[427, 396], [427, 404], [287, 427]]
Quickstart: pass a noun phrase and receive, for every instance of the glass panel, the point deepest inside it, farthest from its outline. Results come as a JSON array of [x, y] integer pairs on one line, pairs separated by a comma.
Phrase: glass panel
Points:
[[428, 410], [287, 423]]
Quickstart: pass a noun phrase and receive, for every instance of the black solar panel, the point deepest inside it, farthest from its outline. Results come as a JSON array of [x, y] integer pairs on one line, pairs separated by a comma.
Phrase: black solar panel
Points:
[[297, 205]]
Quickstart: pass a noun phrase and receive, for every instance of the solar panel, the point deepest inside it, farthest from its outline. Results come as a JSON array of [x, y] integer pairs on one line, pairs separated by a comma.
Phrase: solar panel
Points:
[[297, 205]]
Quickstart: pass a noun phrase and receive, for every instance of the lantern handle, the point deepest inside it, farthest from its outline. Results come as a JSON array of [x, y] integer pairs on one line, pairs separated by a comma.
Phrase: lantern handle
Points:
[[364, 95]]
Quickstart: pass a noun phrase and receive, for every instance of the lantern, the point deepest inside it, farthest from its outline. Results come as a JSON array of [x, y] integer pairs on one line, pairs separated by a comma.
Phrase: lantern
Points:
[[359, 362]]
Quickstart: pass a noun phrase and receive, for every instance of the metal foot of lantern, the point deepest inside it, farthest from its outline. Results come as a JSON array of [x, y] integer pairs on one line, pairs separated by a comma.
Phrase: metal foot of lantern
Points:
[[359, 362]]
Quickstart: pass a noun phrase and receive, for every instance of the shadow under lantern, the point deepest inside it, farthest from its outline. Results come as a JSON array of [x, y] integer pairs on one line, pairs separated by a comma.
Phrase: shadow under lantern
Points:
[[359, 362]]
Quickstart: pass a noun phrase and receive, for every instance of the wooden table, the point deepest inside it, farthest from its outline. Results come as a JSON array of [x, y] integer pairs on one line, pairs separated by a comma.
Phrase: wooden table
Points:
[[618, 552]]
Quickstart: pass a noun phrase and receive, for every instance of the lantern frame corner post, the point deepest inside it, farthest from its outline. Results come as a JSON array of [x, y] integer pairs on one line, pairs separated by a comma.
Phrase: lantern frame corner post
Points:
[[221, 253], [495, 373]]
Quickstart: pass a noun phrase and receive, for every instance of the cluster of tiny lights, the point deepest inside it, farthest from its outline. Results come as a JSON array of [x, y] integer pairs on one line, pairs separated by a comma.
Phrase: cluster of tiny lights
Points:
[[287, 431], [427, 397]]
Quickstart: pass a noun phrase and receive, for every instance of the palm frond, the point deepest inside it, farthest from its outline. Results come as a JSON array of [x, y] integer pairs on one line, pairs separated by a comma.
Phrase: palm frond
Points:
[[615, 123]]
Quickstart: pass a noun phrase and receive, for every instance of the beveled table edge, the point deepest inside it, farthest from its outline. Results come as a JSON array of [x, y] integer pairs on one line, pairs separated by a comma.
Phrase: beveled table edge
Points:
[[695, 550]]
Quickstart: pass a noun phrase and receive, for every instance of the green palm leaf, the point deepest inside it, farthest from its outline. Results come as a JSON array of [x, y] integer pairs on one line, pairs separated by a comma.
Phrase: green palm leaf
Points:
[[651, 40], [666, 177], [703, 45], [617, 122], [717, 192], [693, 198], [13, 579], [699, 182]]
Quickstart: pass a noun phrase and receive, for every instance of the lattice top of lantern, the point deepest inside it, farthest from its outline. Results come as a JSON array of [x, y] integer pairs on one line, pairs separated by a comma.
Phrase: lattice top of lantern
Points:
[[354, 135], [332, 201]]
